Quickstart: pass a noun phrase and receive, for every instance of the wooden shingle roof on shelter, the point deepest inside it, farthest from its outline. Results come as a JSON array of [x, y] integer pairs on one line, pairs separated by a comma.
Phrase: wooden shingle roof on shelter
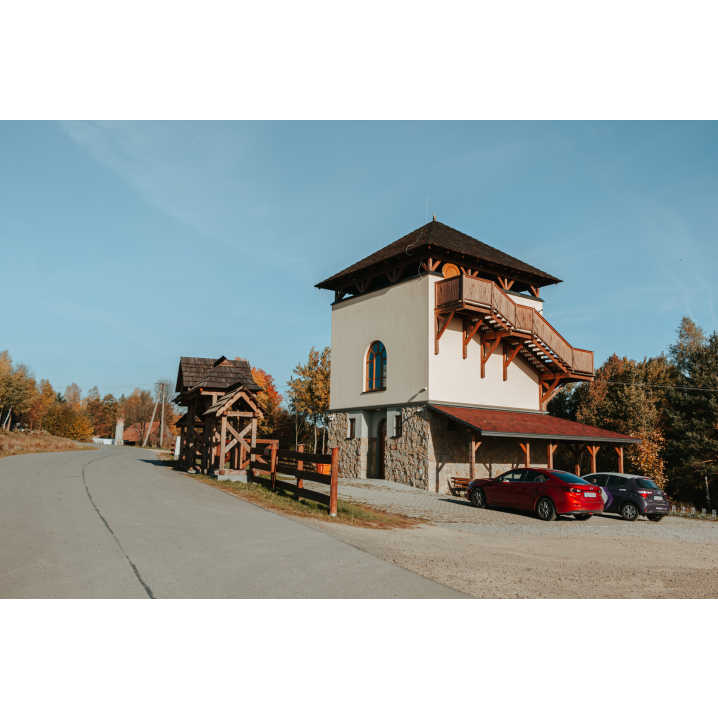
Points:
[[214, 374], [451, 245]]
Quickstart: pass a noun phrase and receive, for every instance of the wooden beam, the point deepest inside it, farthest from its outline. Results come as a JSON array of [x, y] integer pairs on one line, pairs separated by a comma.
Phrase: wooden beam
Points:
[[577, 450], [469, 333], [509, 357], [547, 390], [394, 275], [526, 448], [593, 450], [439, 332], [534, 290], [619, 451], [486, 353], [550, 449]]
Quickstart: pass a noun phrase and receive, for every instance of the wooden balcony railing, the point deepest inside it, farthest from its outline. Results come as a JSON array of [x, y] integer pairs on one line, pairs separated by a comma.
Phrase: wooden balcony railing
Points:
[[472, 292]]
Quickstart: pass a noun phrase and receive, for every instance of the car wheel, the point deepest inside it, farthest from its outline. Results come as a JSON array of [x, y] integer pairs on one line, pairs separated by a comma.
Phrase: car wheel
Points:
[[545, 510], [629, 512], [478, 498], [583, 517], [654, 517]]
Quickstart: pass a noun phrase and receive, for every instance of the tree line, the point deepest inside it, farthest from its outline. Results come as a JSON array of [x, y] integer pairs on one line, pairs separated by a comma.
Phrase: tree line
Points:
[[670, 402], [30, 405]]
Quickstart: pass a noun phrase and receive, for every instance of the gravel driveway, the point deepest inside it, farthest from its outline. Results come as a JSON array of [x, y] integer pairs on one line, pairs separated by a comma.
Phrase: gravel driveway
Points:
[[494, 553]]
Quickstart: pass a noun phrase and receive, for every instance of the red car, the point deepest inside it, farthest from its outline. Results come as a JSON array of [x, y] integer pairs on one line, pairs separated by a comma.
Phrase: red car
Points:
[[548, 492]]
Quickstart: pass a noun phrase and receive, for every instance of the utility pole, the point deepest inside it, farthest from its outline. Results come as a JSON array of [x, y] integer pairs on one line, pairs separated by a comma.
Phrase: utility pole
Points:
[[152, 421], [162, 420]]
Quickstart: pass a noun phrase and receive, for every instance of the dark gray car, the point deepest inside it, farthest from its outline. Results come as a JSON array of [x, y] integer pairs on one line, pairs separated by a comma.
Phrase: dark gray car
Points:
[[630, 495]]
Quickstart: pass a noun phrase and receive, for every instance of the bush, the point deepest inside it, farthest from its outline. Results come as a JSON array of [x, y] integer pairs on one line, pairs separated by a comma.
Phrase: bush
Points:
[[62, 420]]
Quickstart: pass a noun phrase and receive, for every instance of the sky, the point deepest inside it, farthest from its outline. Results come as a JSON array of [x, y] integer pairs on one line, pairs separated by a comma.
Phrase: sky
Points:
[[126, 245]]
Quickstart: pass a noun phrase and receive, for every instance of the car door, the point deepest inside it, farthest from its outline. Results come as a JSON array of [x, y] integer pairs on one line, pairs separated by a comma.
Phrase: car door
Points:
[[527, 491], [615, 489], [507, 490]]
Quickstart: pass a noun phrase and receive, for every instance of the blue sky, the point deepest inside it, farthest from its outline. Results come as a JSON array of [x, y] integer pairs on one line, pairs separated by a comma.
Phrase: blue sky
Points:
[[127, 245]]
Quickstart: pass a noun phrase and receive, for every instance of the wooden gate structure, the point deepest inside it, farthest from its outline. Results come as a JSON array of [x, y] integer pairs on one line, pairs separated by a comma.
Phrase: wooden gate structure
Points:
[[222, 412]]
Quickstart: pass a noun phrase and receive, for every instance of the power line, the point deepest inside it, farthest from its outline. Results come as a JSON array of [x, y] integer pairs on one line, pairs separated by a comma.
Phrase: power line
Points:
[[657, 386]]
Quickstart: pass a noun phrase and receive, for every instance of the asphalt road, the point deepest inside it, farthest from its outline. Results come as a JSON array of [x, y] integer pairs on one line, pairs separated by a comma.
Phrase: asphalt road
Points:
[[114, 523]]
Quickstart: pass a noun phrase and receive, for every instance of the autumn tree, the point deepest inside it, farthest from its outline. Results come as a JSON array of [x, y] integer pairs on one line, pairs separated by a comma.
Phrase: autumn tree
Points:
[[73, 396], [137, 411], [63, 420], [44, 399], [309, 391]]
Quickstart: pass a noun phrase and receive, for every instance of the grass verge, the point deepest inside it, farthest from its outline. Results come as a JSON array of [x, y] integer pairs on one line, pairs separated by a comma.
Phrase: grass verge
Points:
[[13, 443], [284, 502]]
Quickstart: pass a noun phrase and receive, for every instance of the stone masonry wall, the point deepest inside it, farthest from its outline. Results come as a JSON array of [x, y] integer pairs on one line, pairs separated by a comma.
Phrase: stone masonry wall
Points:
[[352, 452], [407, 456]]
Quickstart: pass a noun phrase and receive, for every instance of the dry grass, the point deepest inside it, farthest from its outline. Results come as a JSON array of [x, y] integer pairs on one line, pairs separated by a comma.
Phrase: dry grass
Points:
[[284, 502], [13, 443]]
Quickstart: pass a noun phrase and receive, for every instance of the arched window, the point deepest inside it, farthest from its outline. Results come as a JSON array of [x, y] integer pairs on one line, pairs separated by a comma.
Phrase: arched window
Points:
[[376, 367]]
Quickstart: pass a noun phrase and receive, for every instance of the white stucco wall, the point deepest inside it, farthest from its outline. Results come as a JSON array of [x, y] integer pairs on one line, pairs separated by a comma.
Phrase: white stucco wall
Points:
[[401, 317]]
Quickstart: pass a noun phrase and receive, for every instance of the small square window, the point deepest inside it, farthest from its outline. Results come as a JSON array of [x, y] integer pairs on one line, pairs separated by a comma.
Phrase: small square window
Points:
[[397, 425], [352, 428]]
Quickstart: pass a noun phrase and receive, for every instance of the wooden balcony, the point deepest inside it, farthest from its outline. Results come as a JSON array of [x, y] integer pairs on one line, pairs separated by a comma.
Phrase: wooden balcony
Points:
[[493, 316]]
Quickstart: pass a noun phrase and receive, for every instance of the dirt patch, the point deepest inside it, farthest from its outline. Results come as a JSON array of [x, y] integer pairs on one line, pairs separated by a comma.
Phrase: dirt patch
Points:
[[13, 443], [558, 562]]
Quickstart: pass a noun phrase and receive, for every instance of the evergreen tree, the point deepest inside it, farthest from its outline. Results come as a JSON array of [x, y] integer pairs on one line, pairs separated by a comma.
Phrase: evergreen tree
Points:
[[692, 421]]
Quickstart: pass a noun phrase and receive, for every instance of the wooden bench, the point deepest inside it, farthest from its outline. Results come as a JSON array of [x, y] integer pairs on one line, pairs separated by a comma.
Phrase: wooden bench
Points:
[[458, 485]]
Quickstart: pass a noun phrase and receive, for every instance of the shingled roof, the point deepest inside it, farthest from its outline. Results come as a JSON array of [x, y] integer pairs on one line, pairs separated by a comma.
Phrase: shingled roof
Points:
[[214, 374], [490, 422], [438, 235]]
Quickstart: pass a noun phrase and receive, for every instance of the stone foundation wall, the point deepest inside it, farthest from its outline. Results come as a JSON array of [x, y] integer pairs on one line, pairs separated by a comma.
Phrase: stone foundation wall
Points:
[[352, 452], [407, 456]]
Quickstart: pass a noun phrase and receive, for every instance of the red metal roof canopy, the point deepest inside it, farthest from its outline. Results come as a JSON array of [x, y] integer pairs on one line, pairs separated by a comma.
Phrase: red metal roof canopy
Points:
[[518, 424]]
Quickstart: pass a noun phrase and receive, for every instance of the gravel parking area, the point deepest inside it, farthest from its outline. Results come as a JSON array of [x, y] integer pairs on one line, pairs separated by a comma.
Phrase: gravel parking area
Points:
[[493, 553]]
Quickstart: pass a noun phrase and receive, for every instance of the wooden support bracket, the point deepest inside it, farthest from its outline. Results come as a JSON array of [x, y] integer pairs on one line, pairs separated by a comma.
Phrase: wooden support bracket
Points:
[[549, 454], [546, 390], [593, 450], [441, 328], [473, 448], [469, 272], [430, 265], [395, 275], [487, 349], [619, 451], [509, 356], [535, 291], [526, 448], [469, 331]]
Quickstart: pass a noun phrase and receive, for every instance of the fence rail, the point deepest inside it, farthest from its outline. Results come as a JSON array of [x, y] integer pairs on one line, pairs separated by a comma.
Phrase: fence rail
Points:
[[265, 473]]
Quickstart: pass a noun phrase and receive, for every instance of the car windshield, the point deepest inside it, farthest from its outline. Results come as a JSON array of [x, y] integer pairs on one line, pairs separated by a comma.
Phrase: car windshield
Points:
[[568, 478], [646, 484]]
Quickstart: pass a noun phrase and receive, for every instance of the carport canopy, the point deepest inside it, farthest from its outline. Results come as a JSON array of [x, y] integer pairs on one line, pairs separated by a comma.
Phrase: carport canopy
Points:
[[525, 426]]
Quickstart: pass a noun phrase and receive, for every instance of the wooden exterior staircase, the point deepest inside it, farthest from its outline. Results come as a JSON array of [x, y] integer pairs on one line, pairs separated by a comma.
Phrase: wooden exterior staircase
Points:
[[490, 314]]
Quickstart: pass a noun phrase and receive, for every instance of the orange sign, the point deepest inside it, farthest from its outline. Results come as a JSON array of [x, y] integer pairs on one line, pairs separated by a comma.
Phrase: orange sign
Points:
[[450, 270]]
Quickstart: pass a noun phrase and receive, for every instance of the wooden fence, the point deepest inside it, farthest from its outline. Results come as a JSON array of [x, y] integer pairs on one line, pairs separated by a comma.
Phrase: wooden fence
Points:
[[264, 469]]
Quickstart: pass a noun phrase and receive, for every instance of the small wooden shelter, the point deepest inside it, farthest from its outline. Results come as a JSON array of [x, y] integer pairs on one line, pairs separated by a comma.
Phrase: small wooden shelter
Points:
[[222, 412]]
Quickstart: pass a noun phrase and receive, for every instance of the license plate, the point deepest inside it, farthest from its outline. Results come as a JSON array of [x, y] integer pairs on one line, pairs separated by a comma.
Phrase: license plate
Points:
[[657, 498], [590, 494]]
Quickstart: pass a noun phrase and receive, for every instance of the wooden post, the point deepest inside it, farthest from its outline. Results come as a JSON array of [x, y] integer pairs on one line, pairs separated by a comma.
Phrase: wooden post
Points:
[[526, 448], [474, 447], [578, 448], [550, 450], [593, 450], [334, 487], [300, 467], [273, 465], [222, 445], [619, 451]]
